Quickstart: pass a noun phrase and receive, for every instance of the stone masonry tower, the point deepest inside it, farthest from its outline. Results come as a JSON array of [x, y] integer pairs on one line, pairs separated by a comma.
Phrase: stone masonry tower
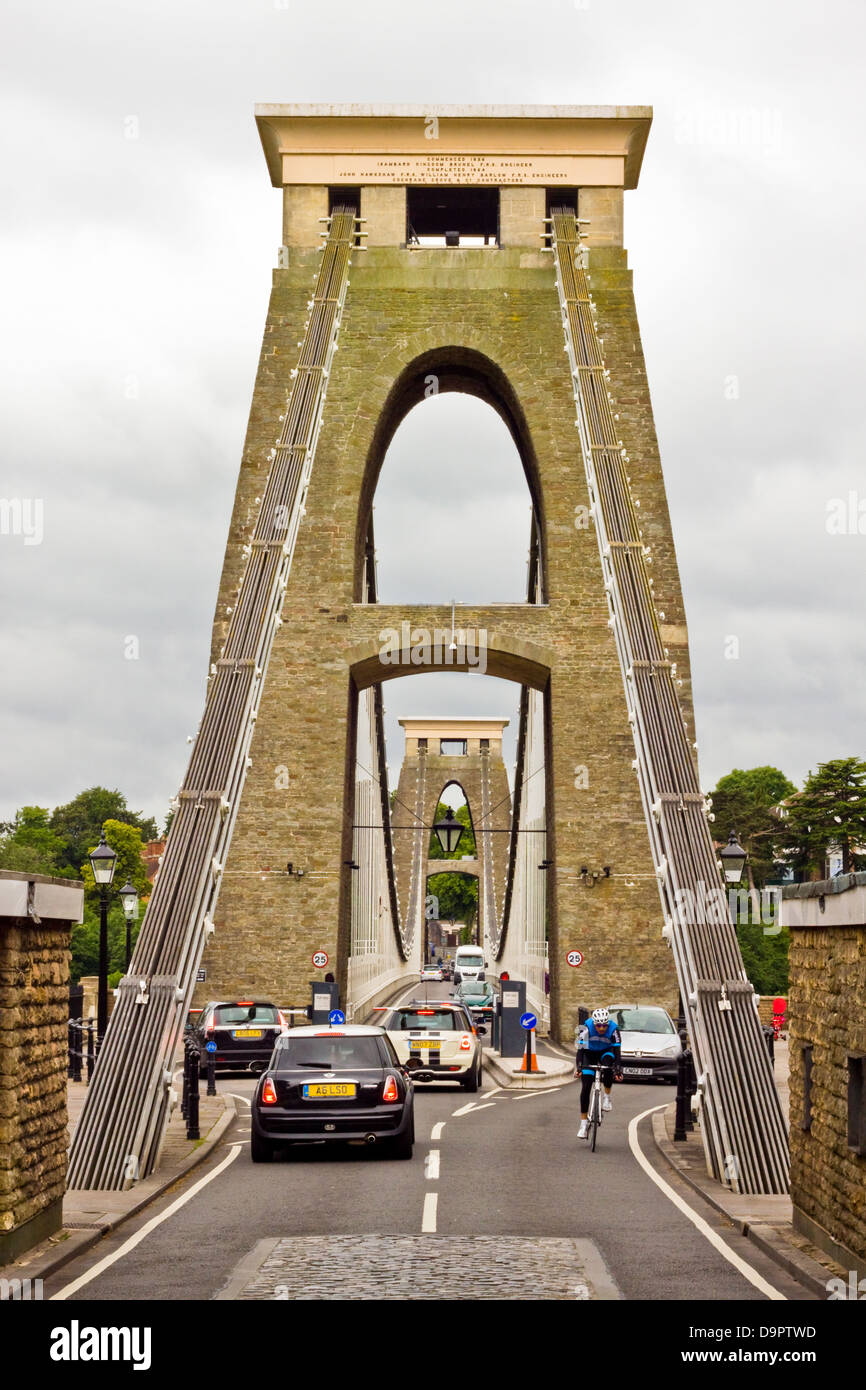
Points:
[[442, 752], [455, 290]]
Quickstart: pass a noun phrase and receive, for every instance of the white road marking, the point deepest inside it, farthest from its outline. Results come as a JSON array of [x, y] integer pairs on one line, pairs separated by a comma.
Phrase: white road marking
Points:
[[428, 1217], [431, 1165], [493, 1091], [698, 1221], [436, 1131], [464, 1109], [101, 1265], [234, 1095], [542, 1091]]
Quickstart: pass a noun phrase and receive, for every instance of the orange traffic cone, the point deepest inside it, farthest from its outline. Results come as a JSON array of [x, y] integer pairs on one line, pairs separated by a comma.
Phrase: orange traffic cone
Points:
[[530, 1060]]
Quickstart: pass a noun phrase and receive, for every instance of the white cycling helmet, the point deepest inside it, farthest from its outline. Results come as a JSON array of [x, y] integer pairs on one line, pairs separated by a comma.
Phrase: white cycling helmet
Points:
[[600, 1016]]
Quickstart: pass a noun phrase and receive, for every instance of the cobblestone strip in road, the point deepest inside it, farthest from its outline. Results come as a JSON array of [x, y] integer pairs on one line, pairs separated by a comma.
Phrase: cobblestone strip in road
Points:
[[414, 1267]]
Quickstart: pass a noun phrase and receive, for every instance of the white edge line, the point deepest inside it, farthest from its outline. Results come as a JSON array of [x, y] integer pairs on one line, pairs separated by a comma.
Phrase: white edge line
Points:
[[431, 1166], [703, 1226], [97, 1269], [234, 1095]]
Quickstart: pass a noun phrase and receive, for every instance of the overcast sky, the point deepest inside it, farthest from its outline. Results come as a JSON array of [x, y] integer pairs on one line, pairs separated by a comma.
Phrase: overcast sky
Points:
[[138, 237]]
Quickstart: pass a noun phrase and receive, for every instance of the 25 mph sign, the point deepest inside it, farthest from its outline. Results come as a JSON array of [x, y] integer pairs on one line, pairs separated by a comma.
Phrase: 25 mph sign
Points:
[[574, 958], [320, 959]]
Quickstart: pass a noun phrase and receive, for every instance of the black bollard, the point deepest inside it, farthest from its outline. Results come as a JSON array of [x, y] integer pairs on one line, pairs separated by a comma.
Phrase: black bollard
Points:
[[192, 1130], [184, 1095], [211, 1074], [691, 1087], [682, 1100]]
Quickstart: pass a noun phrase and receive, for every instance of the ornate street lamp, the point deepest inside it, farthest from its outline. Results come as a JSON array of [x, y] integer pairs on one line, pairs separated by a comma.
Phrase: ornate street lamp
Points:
[[733, 858], [448, 831], [102, 861], [129, 898]]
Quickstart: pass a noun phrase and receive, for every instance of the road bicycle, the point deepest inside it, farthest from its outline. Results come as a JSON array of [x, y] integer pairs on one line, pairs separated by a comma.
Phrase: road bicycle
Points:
[[594, 1113]]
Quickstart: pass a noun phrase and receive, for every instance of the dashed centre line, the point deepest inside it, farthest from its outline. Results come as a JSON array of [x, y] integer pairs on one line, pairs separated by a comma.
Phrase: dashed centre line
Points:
[[428, 1216], [436, 1131], [431, 1165]]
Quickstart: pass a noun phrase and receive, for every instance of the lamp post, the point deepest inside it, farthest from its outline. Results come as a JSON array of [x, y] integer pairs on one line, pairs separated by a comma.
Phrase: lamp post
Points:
[[103, 861], [733, 858], [129, 898]]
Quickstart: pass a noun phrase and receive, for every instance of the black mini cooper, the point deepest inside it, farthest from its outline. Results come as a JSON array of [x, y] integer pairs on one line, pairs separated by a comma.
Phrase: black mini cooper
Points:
[[343, 1084]]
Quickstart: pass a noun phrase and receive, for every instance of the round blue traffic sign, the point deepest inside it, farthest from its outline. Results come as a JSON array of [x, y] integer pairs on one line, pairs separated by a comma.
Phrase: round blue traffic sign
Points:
[[210, 1046], [528, 1021], [336, 1016]]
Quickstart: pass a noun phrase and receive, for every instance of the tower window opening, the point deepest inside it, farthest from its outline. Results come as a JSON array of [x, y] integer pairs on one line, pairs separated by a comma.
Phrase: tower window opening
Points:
[[451, 747], [558, 198], [460, 217]]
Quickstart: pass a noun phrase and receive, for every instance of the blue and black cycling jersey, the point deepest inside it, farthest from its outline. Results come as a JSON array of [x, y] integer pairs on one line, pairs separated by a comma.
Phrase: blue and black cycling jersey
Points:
[[593, 1042]]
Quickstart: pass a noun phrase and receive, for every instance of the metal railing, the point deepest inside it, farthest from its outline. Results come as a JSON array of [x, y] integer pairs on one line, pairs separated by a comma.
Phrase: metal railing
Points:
[[127, 1106], [744, 1130]]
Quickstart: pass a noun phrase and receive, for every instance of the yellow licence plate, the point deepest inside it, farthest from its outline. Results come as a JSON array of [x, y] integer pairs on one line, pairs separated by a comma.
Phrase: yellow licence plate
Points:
[[424, 1042], [248, 1032], [323, 1090]]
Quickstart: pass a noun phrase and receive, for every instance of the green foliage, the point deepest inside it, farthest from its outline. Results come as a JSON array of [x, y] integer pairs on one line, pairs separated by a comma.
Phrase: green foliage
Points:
[[743, 802], [457, 895], [829, 813], [125, 840], [765, 957], [80, 821], [467, 839], [85, 942], [29, 845]]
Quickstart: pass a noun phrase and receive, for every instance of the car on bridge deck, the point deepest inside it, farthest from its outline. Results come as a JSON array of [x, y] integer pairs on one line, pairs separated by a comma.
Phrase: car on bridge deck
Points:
[[432, 972], [651, 1045], [244, 1031], [341, 1085], [478, 997], [438, 1041]]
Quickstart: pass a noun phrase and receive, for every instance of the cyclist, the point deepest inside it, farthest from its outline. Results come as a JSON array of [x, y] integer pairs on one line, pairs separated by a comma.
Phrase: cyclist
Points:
[[599, 1035]]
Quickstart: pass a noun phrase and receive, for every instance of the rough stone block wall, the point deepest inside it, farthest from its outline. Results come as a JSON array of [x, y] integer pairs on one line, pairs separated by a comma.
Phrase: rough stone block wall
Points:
[[521, 217], [385, 210], [34, 1008], [827, 993], [603, 207], [303, 205]]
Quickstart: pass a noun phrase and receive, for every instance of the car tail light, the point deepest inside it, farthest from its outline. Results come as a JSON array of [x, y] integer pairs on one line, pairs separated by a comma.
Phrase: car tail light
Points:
[[391, 1091], [269, 1093], [465, 1043], [424, 1013], [244, 1003]]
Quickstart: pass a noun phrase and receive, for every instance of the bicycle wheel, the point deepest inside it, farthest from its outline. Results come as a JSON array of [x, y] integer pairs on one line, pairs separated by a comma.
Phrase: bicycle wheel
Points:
[[594, 1119]]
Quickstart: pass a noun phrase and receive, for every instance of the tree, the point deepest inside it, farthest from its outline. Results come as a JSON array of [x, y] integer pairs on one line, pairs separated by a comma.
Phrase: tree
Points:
[[29, 845], [829, 813], [125, 840], [80, 821], [744, 801], [457, 895]]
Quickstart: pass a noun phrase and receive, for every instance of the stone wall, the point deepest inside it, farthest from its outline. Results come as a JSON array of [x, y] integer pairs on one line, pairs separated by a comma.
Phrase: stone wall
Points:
[[827, 993], [34, 1008]]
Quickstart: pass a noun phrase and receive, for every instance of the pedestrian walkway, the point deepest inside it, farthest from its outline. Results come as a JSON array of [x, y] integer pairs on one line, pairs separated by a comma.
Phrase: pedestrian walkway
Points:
[[767, 1220], [89, 1215]]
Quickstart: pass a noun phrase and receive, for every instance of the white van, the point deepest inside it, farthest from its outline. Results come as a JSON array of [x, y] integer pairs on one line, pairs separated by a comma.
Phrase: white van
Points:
[[469, 963]]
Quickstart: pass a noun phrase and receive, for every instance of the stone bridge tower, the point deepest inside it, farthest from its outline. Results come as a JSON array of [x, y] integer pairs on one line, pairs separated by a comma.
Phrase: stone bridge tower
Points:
[[439, 753], [455, 290]]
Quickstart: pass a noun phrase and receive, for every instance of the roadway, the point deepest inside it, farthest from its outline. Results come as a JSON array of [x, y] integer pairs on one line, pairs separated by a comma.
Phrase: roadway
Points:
[[499, 1201]]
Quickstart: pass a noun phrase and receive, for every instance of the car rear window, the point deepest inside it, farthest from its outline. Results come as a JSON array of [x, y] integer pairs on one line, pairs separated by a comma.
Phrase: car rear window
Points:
[[643, 1021], [436, 1020], [330, 1052], [232, 1015]]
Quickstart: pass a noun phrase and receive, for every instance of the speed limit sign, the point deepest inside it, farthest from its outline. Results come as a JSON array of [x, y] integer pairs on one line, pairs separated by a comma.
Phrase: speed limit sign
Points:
[[574, 958], [320, 959]]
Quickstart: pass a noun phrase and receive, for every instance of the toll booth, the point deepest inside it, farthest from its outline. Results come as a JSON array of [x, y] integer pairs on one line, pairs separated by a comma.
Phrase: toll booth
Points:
[[326, 997], [512, 1004]]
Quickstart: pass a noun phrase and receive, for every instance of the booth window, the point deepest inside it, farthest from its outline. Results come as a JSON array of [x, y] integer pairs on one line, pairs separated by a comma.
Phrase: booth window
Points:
[[452, 217]]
